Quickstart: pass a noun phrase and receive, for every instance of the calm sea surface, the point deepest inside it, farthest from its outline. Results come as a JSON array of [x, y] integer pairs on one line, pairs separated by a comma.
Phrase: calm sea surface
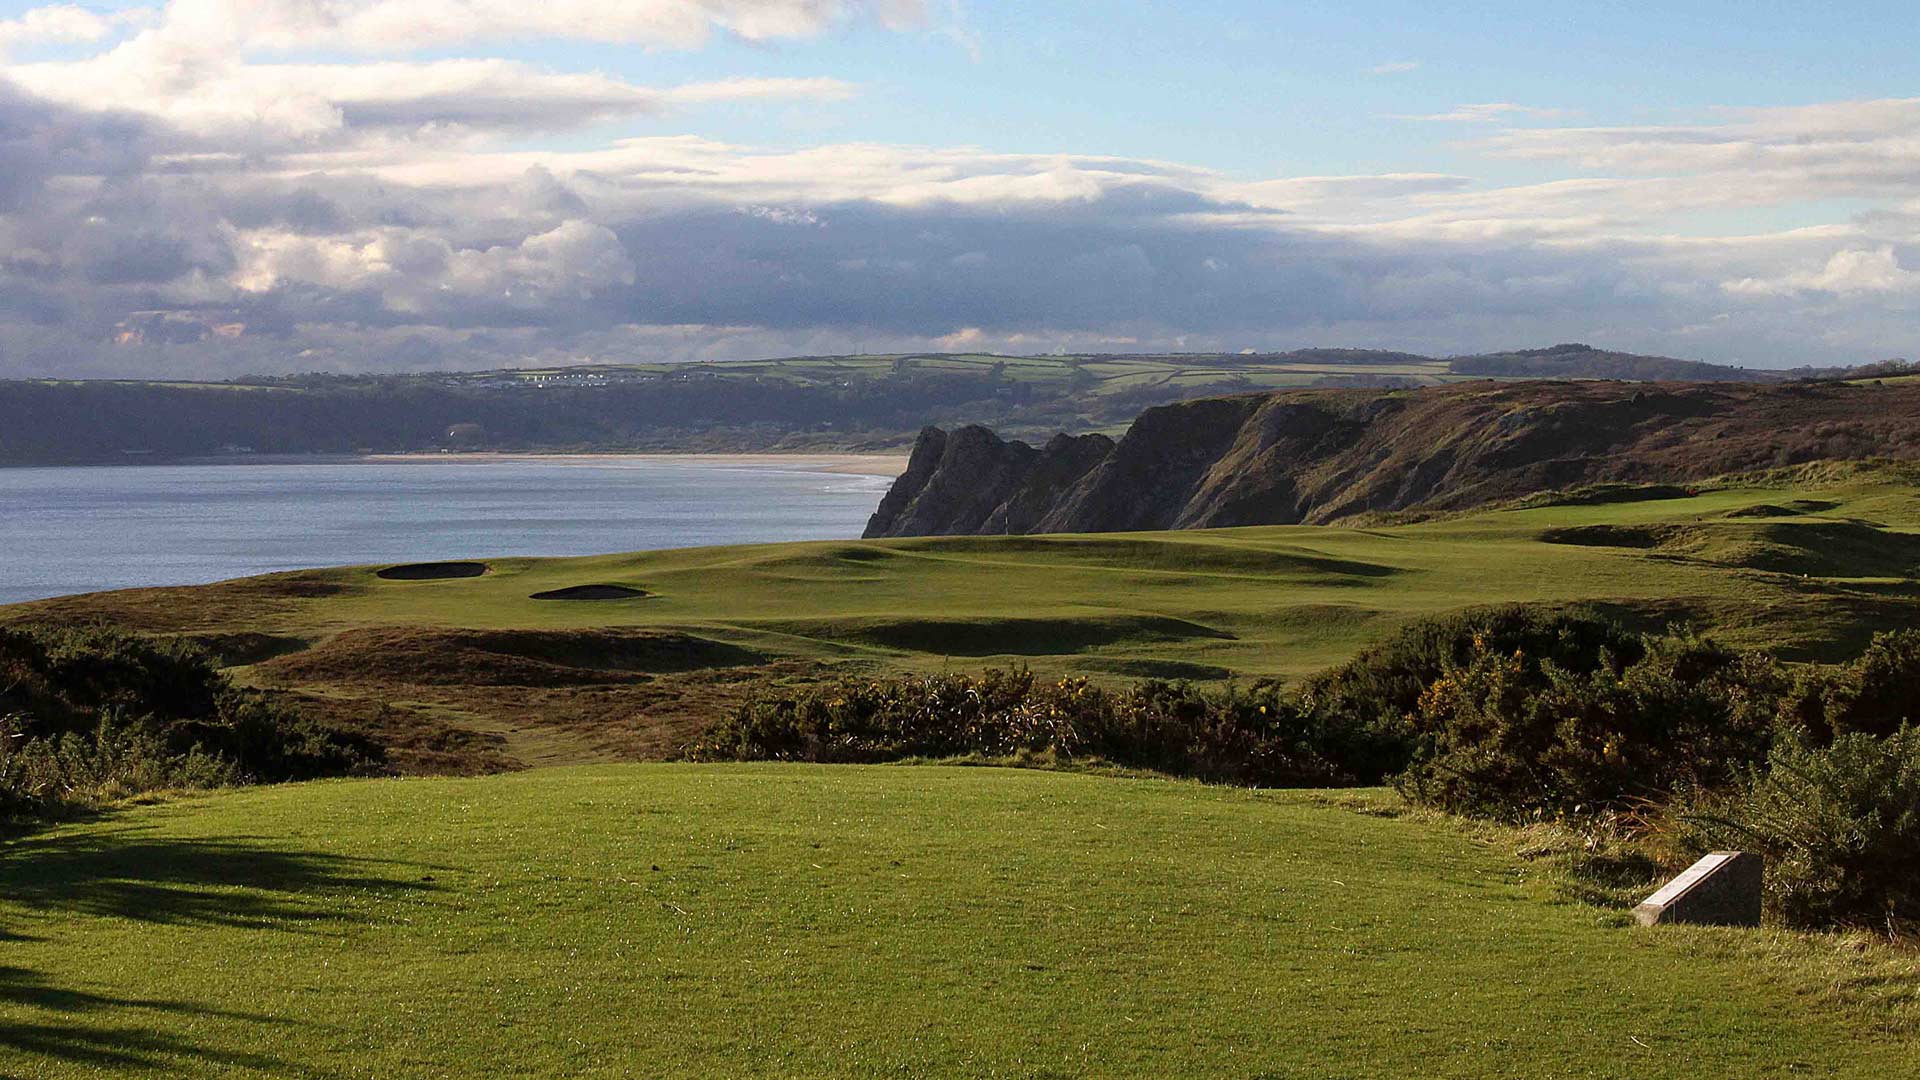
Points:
[[69, 530]]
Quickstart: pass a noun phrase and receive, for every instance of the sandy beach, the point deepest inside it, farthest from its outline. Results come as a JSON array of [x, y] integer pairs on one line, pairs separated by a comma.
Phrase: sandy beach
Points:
[[888, 465]]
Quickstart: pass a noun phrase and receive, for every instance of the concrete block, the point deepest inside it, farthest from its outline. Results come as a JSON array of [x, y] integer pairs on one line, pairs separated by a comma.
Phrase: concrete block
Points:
[[1722, 889]]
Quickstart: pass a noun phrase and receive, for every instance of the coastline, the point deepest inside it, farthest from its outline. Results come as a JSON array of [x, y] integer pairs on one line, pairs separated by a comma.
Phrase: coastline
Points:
[[887, 465], [843, 464]]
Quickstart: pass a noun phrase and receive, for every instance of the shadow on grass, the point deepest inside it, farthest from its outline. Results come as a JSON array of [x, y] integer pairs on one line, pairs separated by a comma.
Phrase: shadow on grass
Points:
[[71, 1033], [127, 872]]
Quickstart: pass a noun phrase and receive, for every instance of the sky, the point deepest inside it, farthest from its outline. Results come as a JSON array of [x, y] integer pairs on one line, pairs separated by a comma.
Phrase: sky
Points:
[[208, 188]]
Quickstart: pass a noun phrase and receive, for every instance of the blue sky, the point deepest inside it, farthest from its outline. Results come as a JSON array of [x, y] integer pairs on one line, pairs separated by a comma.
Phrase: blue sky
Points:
[[1264, 88], [1715, 179]]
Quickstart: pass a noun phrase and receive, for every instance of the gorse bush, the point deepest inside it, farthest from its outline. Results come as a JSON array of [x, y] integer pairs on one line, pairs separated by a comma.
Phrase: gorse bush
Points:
[[1502, 734], [1365, 710], [92, 715], [1505, 713], [45, 776], [61, 679], [1839, 826], [1254, 737], [1876, 694]]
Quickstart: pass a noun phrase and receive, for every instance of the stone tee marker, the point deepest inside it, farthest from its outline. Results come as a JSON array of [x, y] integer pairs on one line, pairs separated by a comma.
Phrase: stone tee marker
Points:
[[1722, 889]]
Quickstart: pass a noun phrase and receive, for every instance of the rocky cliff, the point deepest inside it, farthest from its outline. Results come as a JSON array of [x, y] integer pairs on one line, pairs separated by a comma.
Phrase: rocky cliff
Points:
[[1320, 456]]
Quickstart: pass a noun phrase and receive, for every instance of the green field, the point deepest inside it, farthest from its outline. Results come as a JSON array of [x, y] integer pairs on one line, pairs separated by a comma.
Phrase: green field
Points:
[[1092, 376], [892, 921], [678, 920], [1283, 600], [1808, 565]]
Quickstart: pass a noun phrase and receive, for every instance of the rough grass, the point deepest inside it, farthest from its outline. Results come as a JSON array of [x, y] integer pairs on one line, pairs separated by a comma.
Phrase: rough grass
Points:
[[502, 657], [1005, 636], [795, 921]]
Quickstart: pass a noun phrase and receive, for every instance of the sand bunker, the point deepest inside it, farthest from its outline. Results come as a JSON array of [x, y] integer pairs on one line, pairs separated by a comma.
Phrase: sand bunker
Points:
[[592, 592], [432, 571]]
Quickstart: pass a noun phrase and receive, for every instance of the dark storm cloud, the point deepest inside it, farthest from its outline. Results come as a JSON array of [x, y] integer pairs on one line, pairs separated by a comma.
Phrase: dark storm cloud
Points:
[[40, 140]]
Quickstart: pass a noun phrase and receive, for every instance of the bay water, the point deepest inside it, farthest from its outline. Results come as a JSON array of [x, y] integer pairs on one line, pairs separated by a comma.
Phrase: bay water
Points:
[[80, 529]]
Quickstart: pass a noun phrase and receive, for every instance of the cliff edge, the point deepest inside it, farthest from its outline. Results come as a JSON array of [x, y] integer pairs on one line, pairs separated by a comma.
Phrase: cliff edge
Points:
[[1318, 456]]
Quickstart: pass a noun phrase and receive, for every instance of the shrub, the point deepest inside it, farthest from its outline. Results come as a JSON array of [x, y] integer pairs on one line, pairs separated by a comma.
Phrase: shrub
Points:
[[1876, 693], [1511, 736], [268, 742], [61, 678], [55, 774], [95, 714], [1364, 708], [1254, 738], [1508, 714], [1839, 826]]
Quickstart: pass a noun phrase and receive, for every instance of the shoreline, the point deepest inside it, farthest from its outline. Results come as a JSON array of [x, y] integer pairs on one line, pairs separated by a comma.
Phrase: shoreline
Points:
[[887, 465], [884, 465]]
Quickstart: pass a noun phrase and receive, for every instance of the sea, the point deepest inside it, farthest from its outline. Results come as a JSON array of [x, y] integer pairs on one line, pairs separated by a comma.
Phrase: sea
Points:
[[85, 528]]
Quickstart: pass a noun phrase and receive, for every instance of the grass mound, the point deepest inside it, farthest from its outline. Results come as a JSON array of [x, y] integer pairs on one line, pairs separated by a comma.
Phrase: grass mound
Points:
[[592, 592], [1005, 636], [425, 656], [1634, 537], [1795, 508], [857, 922], [246, 647], [1830, 549], [432, 571], [1171, 553], [1610, 494]]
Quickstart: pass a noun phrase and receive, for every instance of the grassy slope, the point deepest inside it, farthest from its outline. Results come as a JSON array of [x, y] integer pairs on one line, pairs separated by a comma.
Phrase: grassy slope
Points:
[[1810, 569], [800, 921], [1267, 600]]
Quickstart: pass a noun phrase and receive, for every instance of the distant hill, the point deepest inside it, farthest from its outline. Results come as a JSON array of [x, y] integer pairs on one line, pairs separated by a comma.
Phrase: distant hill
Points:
[[1322, 456], [799, 403], [1576, 361]]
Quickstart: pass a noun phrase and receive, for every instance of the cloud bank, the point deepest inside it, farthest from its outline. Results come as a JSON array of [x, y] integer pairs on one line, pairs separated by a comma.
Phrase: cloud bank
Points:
[[219, 186]]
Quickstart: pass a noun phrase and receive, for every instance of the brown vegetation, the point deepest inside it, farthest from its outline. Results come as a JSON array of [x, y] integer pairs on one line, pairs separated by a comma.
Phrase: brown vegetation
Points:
[[468, 701], [216, 609], [452, 657]]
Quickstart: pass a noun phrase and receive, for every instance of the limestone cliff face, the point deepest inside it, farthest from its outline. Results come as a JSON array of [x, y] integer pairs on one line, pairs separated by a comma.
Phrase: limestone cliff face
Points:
[[1323, 455], [971, 481]]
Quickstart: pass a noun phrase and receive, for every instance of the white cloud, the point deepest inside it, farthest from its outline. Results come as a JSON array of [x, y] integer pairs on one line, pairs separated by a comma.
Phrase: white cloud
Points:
[[302, 103], [1847, 273], [1394, 67], [396, 211], [61, 24], [414, 272], [381, 26], [1489, 113], [1836, 143]]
